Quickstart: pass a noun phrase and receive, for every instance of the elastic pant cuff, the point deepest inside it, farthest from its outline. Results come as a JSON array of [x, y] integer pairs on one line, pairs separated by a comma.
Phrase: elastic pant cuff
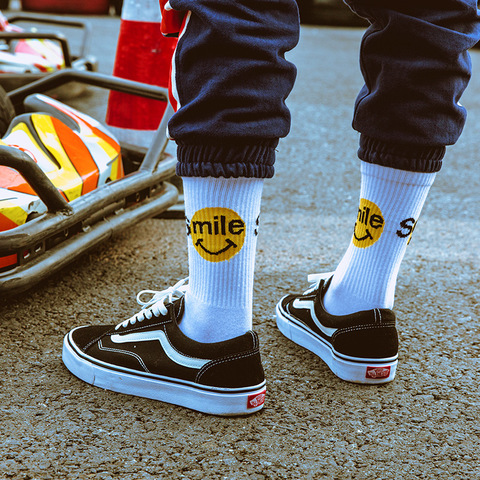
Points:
[[402, 157], [226, 160]]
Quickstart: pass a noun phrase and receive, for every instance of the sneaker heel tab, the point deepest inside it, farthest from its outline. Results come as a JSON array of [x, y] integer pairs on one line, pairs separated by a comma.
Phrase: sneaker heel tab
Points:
[[240, 370], [386, 315], [255, 338], [249, 341]]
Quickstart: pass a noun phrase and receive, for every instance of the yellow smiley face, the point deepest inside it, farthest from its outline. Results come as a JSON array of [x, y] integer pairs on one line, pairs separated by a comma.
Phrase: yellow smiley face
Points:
[[369, 225], [217, 233]]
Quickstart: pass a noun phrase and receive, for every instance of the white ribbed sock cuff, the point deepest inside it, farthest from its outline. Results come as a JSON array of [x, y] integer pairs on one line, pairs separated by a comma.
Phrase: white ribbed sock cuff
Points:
[[232, 278], [390, 203], [399, 194], [222, 227]]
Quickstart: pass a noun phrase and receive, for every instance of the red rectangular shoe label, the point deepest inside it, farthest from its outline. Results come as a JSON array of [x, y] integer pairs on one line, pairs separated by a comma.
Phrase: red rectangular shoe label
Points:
[[256, 400], [377, 372]]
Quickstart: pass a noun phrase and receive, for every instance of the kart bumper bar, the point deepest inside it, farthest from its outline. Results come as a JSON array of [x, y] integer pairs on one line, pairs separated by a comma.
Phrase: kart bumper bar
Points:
[[34, 175], [47, 243], [58, 79]]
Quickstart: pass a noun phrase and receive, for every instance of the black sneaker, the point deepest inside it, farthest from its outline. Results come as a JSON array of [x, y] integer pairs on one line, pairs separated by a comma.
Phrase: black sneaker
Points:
[[148, 356], [361, 347]]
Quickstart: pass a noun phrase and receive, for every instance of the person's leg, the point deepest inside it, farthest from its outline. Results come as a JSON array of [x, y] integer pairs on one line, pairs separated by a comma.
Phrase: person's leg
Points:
[[415, 62], [390, 203], [226, 135], [193, 345], [222, 226], [414, 58], [416, 66]]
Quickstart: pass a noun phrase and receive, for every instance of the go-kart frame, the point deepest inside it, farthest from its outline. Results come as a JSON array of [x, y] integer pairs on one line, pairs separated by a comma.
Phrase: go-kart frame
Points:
[[49, 242], [80, 61]]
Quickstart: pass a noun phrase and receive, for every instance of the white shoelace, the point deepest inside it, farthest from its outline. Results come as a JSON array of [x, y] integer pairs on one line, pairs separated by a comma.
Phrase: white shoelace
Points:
[[156, 305]]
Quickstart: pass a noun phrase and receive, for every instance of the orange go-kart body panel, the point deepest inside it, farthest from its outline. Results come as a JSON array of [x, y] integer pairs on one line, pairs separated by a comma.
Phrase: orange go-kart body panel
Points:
[[67, 185], [75, 152]]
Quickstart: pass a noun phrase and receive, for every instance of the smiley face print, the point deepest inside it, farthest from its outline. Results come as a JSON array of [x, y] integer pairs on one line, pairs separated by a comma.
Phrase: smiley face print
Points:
[[217, 233], [369, 224]]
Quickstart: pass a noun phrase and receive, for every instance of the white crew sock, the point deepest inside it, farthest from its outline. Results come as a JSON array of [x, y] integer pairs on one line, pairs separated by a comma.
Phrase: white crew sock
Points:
[[390, 203], [222, 227]]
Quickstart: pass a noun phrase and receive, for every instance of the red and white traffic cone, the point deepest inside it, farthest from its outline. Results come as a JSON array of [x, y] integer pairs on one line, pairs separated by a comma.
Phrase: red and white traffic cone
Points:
[[144, 55]]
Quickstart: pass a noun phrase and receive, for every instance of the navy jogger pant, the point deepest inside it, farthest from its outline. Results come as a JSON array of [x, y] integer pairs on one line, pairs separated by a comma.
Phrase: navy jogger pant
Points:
[[231, 80]]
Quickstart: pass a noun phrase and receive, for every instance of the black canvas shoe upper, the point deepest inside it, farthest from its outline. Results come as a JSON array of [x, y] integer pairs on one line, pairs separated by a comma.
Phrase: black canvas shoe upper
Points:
[[365, 334], [159, 347]]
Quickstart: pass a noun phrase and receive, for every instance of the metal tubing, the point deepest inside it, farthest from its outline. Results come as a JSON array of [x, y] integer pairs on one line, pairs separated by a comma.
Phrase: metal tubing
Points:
[[59, 256], [42, 227], [58, 21], [8, 36], [35, 177], [61, 77], [159, 142]]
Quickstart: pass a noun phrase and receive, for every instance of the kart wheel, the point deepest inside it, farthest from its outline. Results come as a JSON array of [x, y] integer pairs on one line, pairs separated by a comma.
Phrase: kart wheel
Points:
[[7, 112]]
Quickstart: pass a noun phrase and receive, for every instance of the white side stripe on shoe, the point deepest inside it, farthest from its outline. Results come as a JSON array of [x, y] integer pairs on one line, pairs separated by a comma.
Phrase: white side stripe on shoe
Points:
[[117, 350], [171, 353], [310, 306]]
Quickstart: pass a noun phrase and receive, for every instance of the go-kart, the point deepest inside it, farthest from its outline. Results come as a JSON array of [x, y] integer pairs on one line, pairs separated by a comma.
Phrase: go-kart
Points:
[[66, 183], [28, 55]]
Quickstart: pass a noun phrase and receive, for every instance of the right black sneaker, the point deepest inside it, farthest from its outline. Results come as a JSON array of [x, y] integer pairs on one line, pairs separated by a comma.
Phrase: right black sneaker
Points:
[[149, 356], [361, 347]]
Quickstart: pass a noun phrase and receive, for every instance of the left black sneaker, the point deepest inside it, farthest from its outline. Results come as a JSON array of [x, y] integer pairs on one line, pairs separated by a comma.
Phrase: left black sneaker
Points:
[[361, 347], [148, 356]]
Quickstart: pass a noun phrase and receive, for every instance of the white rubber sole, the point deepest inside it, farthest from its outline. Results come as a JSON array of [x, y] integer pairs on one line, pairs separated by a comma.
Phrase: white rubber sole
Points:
[[211, 400], [370, 371]]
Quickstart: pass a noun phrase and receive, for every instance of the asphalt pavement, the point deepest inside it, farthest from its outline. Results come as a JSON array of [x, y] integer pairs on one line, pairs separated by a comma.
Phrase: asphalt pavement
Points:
[[424, 425]]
